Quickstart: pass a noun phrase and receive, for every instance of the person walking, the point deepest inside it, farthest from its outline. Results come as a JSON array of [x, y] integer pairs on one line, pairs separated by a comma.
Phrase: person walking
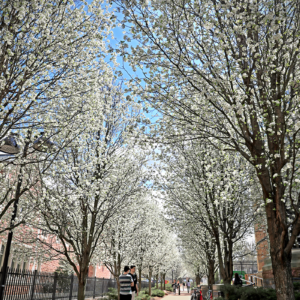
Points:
[[183, 285], [134, 288], [178, 286], [201, 296], [126, 282], [237, 280], [188, 285], [174, 286]]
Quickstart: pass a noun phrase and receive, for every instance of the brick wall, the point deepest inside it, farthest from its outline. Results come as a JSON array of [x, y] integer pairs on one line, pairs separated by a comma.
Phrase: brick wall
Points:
[[99, 271], [261, 246], [37, 258]]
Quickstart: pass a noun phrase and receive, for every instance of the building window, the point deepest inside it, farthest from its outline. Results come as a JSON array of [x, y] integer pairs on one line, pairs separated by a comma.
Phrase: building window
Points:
[[2, 254], [12, 265], [18, 268], [39, 266], [44, 233]]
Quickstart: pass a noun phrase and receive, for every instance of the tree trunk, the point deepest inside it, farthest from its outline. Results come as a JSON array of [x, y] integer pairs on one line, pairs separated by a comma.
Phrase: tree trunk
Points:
[[197, 279], [150, 277], [281, 264], [140, 278], [81, 289], [211, 272], [157, 281], [283, 279], [224, 262], [164, 277], [118, 287], [161, 281], [278, 235]]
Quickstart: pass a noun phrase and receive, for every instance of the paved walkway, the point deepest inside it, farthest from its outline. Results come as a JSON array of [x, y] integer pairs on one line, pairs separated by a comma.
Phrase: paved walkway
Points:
[[183, 296], [177, 297]]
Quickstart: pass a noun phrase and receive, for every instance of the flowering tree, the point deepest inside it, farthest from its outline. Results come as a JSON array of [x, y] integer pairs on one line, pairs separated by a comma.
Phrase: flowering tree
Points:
[[138, 235], [45, 45], [121, 236], [208, 187], [230, 70], [51, 54], [199, 248], [92, 180]]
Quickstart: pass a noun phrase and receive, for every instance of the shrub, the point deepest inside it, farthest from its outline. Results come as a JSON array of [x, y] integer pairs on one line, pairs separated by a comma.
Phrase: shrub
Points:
[[157, 293], [169, 287], [296, 285], [233, 292], [258, 294], [142, 296], [248, 293], [112, 294], [297, 296]]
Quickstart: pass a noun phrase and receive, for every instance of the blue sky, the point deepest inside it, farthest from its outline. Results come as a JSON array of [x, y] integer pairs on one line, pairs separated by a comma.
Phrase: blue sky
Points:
[[153, 115]]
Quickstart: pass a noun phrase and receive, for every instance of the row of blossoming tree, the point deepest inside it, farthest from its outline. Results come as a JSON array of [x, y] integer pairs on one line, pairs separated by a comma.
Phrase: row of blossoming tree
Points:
[[226, 73], [77, 170]]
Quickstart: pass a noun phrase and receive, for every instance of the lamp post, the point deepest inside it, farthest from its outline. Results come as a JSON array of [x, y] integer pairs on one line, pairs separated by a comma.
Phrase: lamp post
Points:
[[11, 147]]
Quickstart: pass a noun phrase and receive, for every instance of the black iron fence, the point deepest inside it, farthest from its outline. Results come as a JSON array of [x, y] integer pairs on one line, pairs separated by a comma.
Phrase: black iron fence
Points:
[[248, 266], [33, 285]]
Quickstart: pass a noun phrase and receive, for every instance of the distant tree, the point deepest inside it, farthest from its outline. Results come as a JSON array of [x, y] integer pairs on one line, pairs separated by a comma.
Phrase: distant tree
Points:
[[207, 187]]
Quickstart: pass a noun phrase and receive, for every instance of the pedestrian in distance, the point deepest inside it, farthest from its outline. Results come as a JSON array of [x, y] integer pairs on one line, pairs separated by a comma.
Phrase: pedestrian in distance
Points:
[[178, 286], [201, 296], [237, 280], [174, 286], [126, 283], [134, 288], [188, 285], [183, 285]]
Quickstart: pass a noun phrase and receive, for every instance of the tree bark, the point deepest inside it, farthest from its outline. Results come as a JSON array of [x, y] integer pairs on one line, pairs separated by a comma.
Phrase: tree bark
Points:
[[283, 278], [150, 277], [164, 277], [118, 287], [161, 281], [281, 260], [225, 262], [140, 277], [197, 279], [81, 289], [211, 272], [157, 281]]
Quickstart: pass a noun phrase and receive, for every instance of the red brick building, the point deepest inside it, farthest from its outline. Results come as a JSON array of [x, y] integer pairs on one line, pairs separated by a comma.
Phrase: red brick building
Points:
[[262, 246], [25, 256]]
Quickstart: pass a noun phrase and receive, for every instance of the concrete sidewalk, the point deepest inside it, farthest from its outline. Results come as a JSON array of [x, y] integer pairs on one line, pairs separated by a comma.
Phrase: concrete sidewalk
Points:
[[184, 296]]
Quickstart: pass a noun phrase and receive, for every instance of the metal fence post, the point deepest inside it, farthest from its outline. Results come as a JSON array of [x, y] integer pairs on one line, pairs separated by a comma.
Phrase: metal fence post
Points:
[[33, 283], [94, 292], [71, 287], [54, 285], [102, 287]]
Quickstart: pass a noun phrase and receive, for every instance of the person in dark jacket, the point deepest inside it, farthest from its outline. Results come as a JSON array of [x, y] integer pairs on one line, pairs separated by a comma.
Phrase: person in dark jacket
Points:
[[174, 285], [237, 280]]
